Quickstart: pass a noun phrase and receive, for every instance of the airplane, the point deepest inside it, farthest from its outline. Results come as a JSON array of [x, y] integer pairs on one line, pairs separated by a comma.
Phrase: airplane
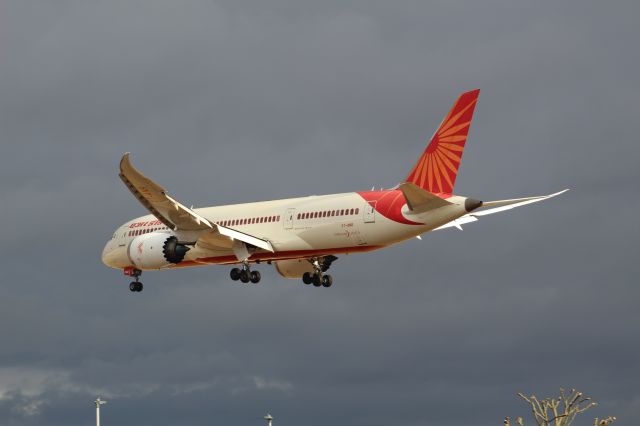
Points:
[[302, 237]]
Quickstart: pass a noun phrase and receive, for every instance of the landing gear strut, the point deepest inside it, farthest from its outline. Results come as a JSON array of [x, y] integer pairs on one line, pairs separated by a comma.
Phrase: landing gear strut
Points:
[[134, 286], [245, 274], [318, 277]]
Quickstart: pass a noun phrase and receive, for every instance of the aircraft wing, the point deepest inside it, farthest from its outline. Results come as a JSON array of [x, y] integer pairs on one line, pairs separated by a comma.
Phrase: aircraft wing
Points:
[[155, 198], [496, 207], [177, 216]]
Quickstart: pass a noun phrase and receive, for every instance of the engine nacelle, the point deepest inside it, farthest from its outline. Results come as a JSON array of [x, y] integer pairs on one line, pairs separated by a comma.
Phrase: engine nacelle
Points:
[[293, 268], [156, 250]]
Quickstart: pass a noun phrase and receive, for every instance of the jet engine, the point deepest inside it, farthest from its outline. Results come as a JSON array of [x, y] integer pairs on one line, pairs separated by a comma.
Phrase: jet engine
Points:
[[294, 268], [156, 250]]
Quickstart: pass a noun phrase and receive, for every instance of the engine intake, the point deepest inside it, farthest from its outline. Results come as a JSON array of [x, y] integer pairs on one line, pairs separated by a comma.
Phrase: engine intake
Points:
[[173, 251]]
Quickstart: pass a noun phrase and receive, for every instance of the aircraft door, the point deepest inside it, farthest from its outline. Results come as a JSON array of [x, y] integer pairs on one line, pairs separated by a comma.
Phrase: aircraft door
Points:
[[370, 212], [288, 218]]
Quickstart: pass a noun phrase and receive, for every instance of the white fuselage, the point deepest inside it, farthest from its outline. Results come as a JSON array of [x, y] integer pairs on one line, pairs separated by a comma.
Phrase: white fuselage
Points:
[[297, 228]]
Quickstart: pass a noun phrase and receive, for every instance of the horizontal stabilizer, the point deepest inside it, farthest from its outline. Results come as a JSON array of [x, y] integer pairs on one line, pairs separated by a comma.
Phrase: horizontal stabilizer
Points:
[[502, 205], [496, 207], [420, 200]]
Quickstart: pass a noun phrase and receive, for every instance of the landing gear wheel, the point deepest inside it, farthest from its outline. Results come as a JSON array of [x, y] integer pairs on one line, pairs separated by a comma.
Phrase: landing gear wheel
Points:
[[327, 280], [317, 280], [255, 277], [244, 276], [307, 278], [136, 286], [235, 274]]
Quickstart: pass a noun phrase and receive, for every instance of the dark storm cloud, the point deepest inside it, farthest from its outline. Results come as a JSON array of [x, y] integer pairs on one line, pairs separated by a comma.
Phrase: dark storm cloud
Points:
[[235, 101]]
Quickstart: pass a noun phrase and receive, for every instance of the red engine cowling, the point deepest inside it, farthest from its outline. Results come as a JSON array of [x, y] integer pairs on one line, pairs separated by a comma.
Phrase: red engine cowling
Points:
[[156, 250], [293, 268]]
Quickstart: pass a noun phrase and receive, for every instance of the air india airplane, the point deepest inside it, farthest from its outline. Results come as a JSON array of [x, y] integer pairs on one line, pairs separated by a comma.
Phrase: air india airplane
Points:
[[302, 236]]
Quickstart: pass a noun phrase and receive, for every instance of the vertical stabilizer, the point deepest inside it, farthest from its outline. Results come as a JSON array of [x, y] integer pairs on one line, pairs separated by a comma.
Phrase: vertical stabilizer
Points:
[[437, 168]]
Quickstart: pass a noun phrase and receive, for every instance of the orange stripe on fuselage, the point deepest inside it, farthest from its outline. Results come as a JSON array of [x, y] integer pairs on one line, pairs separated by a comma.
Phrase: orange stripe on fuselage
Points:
[[281, 255]]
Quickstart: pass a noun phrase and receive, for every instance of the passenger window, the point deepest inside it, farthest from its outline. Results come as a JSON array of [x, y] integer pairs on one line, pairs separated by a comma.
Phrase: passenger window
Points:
[[357, 211]]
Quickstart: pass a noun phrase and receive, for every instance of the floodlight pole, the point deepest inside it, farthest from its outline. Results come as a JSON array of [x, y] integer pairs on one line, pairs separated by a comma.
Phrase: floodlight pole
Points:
[[269, 419], [98, 403]]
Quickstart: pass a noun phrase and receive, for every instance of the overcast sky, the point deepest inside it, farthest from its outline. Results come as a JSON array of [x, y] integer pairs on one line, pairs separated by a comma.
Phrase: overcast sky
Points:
[[233, 101]]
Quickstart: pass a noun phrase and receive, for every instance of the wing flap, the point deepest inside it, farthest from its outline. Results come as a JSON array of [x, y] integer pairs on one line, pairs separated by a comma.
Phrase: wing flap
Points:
[[246, 238]]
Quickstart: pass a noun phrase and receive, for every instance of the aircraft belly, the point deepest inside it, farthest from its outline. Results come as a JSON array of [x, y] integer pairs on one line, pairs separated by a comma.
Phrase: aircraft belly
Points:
[[322, 236]]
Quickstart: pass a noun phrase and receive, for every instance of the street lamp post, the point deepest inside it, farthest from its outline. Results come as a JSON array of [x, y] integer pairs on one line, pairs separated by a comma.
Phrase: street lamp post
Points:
[[269, 419], [98, 403]]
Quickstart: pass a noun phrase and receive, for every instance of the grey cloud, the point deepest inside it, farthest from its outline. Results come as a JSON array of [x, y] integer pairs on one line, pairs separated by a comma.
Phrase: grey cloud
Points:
[[237, 101]]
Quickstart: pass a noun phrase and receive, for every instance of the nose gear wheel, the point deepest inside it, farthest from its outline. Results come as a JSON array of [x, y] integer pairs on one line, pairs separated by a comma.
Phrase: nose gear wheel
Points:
[[135, 286]]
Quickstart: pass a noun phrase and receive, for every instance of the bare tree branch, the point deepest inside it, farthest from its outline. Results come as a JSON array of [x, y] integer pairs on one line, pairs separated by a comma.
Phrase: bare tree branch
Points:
[[560, 411]]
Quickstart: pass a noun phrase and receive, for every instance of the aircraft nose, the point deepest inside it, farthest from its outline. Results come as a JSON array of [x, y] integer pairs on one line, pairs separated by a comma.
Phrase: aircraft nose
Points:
[[105, 254], [114, 256]]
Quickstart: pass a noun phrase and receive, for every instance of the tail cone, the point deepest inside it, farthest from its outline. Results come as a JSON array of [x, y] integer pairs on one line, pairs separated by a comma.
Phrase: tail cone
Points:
[[470, 204]]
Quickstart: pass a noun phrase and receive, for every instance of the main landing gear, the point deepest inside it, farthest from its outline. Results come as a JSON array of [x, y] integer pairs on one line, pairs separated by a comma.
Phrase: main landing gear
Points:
[[135, 286], [245, 274], [318, 277]]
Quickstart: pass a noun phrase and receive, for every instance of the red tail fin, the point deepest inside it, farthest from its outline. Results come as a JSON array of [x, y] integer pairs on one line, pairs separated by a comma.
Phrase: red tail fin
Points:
[[437, 168]]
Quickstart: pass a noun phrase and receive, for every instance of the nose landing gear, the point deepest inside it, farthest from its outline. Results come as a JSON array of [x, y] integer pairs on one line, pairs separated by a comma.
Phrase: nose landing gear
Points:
[[135, 286], [245, 274]]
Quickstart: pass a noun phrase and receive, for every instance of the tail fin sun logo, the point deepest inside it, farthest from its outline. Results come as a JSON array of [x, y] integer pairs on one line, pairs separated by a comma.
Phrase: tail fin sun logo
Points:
[[437, 168]]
